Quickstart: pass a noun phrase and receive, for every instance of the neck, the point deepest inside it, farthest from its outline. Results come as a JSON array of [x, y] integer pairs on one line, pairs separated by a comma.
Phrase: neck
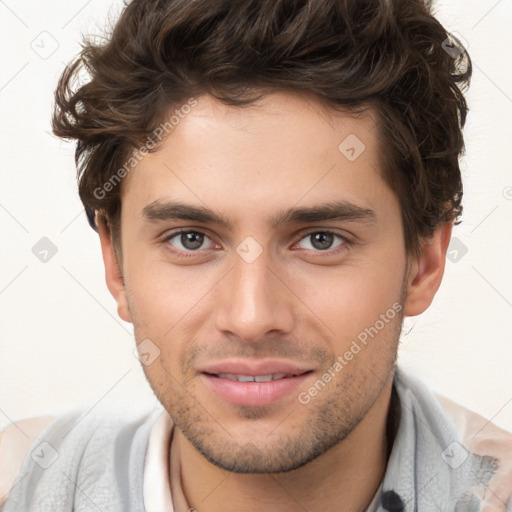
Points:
[[348, 474]]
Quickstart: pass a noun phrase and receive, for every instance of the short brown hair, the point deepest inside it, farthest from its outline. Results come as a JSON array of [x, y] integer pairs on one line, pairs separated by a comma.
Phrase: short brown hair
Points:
[[388, 54]]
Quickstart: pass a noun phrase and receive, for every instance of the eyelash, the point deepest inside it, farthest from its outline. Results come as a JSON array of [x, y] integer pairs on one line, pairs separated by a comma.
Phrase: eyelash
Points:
[[189, 253]]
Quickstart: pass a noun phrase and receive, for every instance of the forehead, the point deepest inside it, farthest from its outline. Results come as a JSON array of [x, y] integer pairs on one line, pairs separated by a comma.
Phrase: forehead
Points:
[[282, 150]]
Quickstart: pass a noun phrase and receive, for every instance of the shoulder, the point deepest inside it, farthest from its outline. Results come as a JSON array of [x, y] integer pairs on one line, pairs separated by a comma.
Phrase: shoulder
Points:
[[459, 442], [482, 437], [89, 448], [15, 443]]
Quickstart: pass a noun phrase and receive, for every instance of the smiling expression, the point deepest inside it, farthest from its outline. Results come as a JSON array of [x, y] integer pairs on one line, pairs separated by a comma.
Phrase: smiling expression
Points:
[[254, 252]]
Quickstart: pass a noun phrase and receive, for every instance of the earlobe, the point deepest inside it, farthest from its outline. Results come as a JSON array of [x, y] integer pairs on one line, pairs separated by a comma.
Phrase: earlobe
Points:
[[113, 274], [427, 270]]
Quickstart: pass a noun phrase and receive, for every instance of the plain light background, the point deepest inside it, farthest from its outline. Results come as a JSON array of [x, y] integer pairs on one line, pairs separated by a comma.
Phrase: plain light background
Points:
[[62, 344]]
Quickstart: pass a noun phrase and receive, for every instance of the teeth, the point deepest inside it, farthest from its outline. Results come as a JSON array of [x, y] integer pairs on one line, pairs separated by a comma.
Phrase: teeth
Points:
[[279, 376], [252, 378], [263, 378], [244, 378]]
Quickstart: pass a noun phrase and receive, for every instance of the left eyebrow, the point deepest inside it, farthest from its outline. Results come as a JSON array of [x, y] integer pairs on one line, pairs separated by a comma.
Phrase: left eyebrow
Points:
[[338, 210]]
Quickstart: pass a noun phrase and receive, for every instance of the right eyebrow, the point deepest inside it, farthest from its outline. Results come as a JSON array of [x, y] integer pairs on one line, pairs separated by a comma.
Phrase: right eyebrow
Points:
[[174, 210]]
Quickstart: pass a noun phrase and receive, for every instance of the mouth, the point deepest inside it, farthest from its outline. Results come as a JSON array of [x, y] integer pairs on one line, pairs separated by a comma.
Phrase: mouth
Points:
[[255, 378], [254, 385]]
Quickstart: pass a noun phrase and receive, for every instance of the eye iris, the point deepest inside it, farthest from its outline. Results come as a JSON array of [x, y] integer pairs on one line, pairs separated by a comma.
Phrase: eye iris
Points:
[[192, 240], [322, 241]]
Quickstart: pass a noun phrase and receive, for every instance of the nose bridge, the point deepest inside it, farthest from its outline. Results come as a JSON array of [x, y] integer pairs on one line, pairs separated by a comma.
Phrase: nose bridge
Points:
[[253, 301]]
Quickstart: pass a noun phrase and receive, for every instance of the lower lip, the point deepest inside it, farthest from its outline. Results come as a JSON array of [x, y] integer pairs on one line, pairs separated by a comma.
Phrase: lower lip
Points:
[[254, 394]]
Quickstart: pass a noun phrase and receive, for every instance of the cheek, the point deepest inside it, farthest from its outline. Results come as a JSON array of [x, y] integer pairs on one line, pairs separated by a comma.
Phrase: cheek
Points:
[[349, 299], [161, 290], [168, 305]]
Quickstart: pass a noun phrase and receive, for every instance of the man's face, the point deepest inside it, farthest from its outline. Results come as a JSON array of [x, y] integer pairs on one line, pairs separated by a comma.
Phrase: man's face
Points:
[[268, 294]]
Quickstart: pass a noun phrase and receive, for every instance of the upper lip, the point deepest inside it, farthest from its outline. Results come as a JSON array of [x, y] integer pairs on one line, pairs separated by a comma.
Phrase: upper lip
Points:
[[255, 368]]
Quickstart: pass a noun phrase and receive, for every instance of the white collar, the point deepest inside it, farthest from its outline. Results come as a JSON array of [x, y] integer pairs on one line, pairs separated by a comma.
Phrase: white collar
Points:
[[163, 454]]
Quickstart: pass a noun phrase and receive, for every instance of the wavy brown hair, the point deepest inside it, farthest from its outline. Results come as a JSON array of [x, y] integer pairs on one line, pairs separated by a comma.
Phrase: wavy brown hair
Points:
[[385, 54]]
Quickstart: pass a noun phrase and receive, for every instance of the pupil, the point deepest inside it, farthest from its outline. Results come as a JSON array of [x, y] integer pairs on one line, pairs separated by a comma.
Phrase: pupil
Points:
[[322, 240], [191, 240]]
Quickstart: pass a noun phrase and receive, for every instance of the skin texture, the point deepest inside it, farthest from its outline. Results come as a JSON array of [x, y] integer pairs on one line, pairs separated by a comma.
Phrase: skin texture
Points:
[[299, 301]]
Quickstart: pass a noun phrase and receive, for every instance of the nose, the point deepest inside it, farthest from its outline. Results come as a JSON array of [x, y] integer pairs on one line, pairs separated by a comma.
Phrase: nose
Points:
[[254, 300]]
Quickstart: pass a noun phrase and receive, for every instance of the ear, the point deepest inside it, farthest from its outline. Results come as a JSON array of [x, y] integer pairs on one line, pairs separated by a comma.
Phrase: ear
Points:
[[426, 271], [113, 274]]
